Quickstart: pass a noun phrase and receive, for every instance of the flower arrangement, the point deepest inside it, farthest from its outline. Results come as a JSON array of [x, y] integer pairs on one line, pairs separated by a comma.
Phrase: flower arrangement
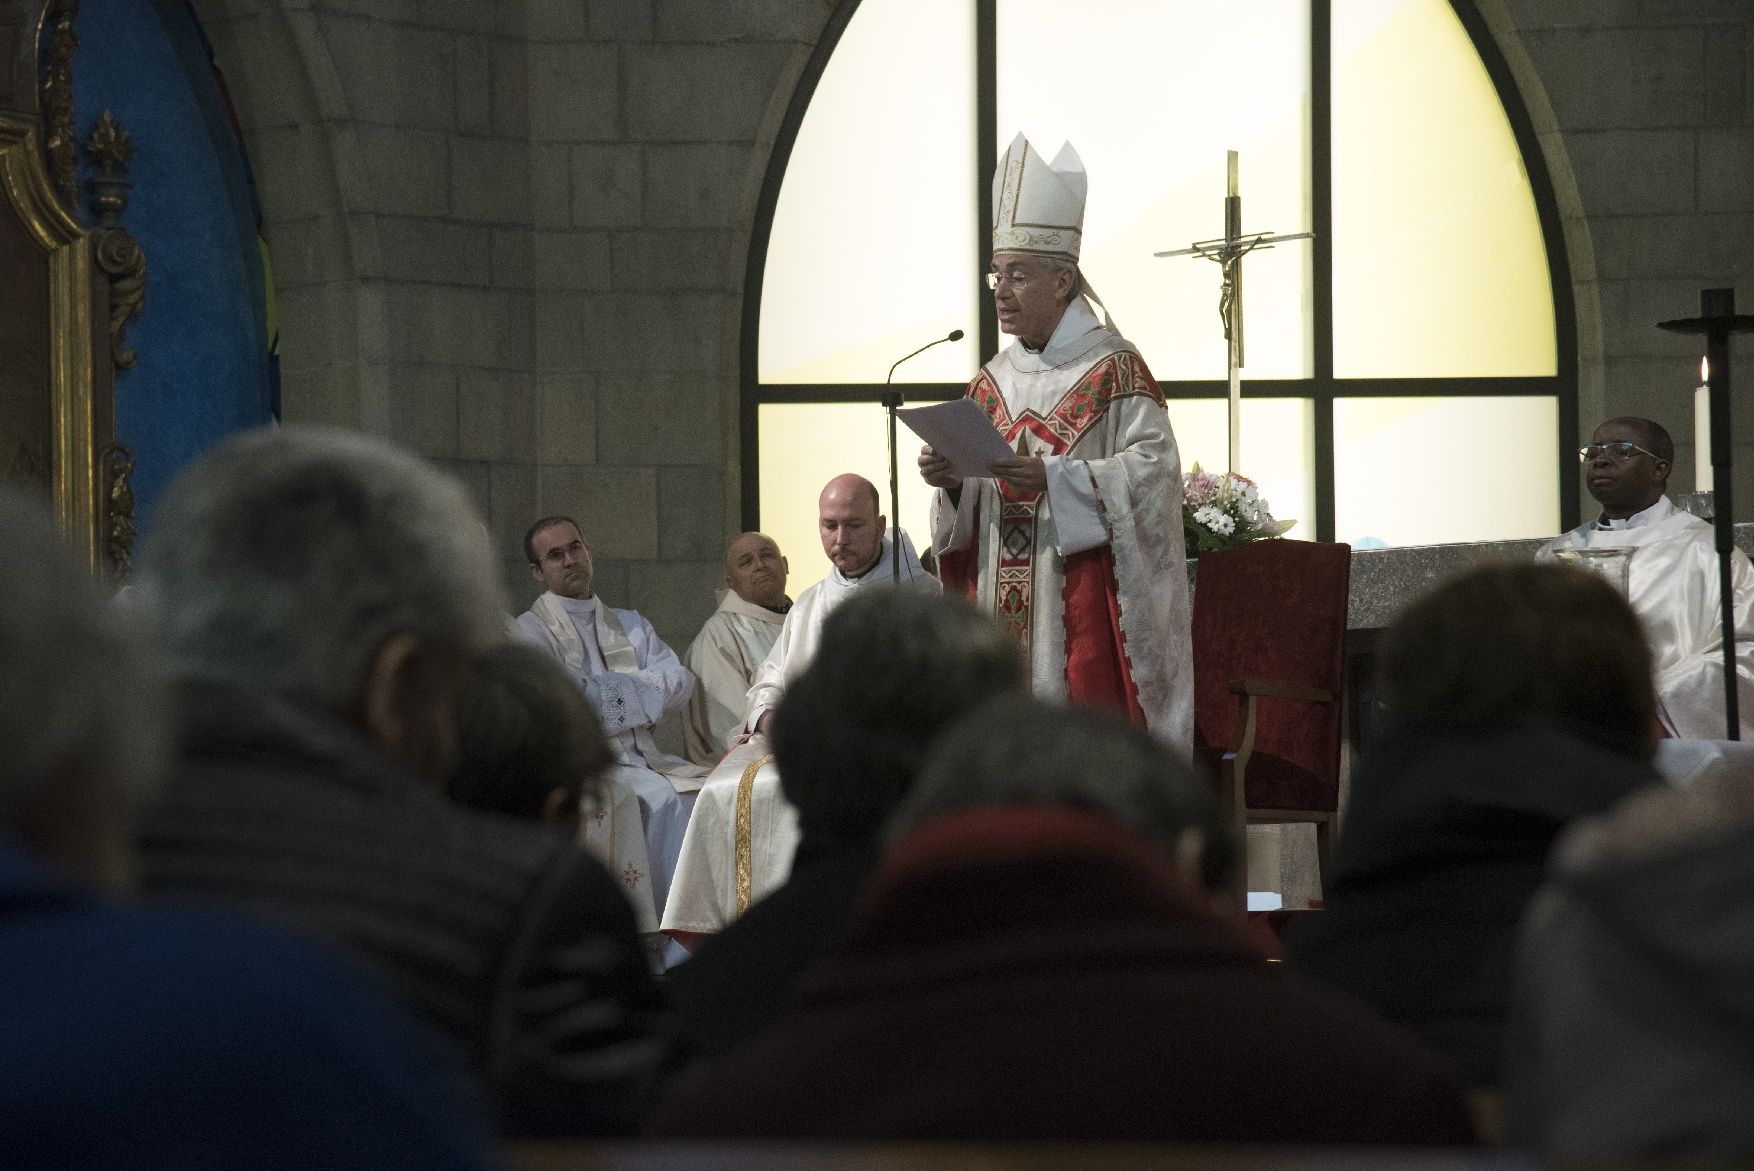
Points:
[[1222, 511]]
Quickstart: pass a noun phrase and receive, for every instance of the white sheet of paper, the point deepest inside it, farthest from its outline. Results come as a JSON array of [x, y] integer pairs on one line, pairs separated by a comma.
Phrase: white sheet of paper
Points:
[[961, 432]]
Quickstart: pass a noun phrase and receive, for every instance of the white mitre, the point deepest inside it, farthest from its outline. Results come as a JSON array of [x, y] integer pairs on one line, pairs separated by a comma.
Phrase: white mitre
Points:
[[1039, 207]]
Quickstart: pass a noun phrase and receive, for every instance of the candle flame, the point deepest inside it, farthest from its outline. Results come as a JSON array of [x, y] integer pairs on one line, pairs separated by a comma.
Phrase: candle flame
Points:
[[1704, 370]]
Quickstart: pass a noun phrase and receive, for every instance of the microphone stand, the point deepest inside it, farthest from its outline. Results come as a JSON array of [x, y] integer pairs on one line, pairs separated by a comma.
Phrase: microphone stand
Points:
[[1717, 320], [892, 400]]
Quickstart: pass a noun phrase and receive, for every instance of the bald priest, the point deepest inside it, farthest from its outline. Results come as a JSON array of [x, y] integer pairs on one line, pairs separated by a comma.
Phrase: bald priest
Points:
[[731, 646], [860, 555]]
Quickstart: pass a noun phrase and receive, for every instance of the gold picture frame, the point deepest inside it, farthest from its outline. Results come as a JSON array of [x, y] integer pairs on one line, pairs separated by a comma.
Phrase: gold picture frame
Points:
[[73, 411]]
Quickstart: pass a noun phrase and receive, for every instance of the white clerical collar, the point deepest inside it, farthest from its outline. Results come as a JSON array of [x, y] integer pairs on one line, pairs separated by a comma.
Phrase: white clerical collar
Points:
[[1074, 323], [1639, 519], [577, 607], [876, 568], [731, 600], [883, 568]]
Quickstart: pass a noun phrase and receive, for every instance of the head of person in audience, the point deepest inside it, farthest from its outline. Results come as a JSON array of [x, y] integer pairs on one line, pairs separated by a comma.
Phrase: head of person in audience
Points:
[[755, 571], [528, 745], [1515, 642], [559, 557], [82, 714], [893, 671], [331, 571], [850, 522], [1019, 752], [1627, 464]]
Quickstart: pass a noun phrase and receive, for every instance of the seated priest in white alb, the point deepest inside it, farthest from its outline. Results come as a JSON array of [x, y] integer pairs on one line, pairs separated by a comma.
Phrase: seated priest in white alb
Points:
[[1672, 577], [731, 646], [729, 860], [860, 556], [629, 677]]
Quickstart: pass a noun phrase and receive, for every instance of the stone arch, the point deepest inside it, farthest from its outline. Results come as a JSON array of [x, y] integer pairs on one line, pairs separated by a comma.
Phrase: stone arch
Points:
[[1574, 220], [297, 126], [767, 133]]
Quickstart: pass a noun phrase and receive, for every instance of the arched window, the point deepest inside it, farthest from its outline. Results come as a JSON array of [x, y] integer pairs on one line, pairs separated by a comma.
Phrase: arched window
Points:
[[1410, 372]]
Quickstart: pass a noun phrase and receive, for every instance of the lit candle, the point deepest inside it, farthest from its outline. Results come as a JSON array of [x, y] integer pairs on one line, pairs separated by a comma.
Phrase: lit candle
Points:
[[1702, 430]]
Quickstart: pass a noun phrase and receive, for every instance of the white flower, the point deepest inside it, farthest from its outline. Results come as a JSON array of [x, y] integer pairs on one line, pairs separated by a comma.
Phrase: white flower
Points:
[[1228, 506], [1210, 516]]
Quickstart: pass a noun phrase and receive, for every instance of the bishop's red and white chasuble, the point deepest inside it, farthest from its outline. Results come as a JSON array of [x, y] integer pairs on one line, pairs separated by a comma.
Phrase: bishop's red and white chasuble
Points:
[[1091, 575]]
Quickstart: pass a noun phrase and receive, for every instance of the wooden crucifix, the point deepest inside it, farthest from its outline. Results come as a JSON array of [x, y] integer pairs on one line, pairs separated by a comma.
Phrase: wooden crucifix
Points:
[[1227, 252]]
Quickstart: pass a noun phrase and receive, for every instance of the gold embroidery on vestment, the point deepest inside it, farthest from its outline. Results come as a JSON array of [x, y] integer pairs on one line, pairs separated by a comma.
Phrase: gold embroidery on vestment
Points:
[[745, 845]]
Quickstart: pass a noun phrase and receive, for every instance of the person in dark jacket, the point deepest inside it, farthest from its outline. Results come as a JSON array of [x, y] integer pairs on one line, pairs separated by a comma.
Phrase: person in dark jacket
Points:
[[893, 671], [1635, 993], [319, 598], [1040, 958], [1520, 699], [142, 1035], [528, 745]]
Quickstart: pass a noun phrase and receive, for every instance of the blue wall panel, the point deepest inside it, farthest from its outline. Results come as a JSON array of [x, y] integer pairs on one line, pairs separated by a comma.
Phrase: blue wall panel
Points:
[[203, 369]]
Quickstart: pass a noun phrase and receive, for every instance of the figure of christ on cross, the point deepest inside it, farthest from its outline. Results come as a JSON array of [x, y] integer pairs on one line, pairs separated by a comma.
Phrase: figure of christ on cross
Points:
[[1227, 252]]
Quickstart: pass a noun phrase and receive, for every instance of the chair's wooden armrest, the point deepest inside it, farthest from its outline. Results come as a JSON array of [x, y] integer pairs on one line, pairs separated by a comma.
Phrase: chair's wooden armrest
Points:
[[1280, 690]]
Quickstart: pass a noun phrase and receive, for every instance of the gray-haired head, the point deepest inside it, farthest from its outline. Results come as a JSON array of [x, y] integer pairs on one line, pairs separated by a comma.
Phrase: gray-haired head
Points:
[[285, 559], [1060, 264], [81, 714], [893, 670], [1021, 752]]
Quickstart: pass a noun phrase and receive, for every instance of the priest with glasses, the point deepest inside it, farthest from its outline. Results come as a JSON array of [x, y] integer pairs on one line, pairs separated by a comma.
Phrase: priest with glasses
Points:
[[1075, 541], [1672, 577]]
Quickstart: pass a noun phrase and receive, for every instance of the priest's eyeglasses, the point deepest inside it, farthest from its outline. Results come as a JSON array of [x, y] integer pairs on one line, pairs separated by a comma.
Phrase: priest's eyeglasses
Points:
[[1620, 451], [1016, 279]]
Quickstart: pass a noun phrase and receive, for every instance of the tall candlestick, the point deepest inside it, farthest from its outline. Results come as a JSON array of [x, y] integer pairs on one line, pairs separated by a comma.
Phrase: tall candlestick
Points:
[[1702, 481]]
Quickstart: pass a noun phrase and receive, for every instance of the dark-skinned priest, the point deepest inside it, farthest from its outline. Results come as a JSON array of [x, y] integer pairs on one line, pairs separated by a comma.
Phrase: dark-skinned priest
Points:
[[1672, 577], [1074, 543]]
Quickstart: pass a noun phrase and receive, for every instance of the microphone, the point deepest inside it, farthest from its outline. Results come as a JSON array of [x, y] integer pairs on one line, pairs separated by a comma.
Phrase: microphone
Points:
[[892, 400], [954, 335]]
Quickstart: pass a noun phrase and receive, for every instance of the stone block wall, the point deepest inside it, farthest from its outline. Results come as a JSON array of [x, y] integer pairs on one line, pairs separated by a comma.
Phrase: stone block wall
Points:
[[510, 235], [651, 123], [391, 142]]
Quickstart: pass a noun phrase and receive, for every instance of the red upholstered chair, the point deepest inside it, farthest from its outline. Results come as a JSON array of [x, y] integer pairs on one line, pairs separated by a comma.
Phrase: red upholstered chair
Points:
[[1269, 660]]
